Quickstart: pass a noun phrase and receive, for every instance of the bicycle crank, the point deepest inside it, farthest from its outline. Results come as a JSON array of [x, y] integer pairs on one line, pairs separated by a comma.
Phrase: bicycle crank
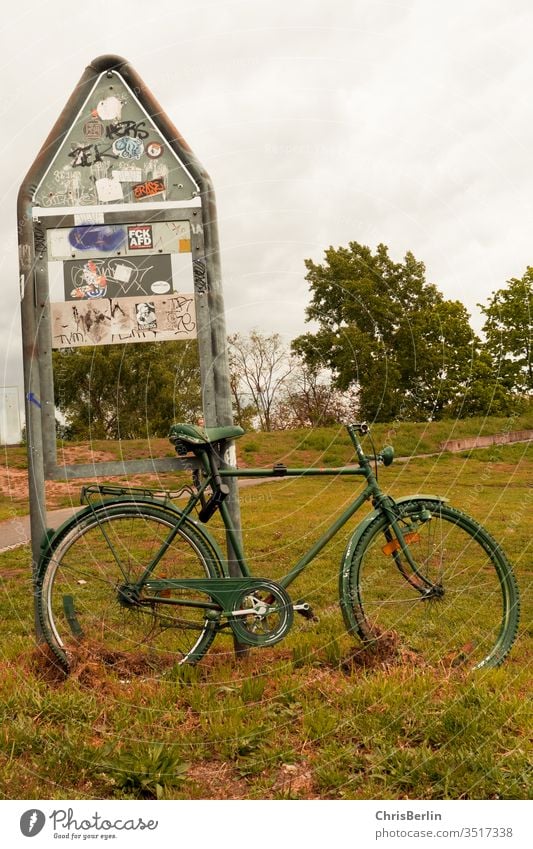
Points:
[[261, 615]]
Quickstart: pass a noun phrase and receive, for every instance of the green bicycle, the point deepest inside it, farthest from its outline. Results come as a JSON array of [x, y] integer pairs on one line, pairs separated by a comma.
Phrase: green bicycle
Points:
[[132, 571]]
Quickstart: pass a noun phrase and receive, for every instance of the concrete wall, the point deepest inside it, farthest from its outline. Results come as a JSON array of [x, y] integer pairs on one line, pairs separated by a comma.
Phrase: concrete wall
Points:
[[485, 441]]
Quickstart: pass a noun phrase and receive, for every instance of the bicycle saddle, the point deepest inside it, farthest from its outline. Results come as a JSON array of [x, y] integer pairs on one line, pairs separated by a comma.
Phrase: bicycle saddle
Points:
[[195, 435]]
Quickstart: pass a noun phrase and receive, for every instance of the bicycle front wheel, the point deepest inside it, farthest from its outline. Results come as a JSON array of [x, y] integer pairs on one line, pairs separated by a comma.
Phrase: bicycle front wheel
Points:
[[85, 603], [459, 607]]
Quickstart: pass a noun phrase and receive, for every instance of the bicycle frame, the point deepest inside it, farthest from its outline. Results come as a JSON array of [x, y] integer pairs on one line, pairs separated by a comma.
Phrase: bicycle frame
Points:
[[211, 471], [370, 491]]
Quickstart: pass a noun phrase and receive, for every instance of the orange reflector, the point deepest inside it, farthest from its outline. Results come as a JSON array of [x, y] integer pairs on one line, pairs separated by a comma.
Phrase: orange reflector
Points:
[[164, 593], [394, 544]]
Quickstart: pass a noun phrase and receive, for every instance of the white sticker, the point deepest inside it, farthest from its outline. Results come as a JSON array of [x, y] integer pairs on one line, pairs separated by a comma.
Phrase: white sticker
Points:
[[56, 280], [109, 190], [59, 244], [89, 218], [128, 175], [122, 273], [109, 109], [160, 287]]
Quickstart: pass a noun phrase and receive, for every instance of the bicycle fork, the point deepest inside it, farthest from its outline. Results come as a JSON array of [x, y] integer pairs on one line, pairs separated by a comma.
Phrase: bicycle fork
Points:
[[399, 546]]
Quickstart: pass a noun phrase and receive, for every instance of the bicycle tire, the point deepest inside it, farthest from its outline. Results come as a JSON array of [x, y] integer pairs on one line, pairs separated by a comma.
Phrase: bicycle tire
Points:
[[79, 605], [470, 620]]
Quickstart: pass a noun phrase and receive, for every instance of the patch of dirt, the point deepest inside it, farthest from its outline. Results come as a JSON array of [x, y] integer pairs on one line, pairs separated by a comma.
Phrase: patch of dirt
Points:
[[5, 574], [14, 482], [14, 485], [43, 663], [294, 780], [215, 780], [90, 664], [387, 651], [80, 454]]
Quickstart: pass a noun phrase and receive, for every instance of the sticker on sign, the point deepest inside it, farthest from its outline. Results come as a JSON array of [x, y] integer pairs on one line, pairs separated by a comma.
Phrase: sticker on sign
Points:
[[149, 188], [140, 237]]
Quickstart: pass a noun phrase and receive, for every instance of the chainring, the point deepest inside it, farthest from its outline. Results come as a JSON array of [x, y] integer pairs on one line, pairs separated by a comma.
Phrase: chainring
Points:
[[263, 616]]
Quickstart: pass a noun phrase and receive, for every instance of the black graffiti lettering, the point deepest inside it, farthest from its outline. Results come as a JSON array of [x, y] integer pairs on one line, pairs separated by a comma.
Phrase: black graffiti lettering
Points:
[[39, 240], [99, 154], [81, 156], [90, 154], [180, 303], [120, 129], [199, 273], [66, 340], [178, 318]]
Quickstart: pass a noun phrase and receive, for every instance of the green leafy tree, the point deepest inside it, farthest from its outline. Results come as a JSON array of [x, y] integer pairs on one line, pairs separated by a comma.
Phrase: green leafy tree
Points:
[[484, 393], [387, 332], [127, 391], [508, 333]]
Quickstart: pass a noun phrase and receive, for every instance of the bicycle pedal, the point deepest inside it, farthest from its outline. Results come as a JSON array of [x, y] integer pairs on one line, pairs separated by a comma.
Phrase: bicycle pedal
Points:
[[305, 610]]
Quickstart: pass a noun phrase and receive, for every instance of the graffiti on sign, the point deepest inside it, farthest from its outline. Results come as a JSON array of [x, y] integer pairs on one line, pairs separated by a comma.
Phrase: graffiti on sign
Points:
[[154, 150], [132, 129], [114, 153], [114, 321], [199, 272], [94, 237], [93, 129], [116, 277], [109, 109], [149, 188], [128, 148]]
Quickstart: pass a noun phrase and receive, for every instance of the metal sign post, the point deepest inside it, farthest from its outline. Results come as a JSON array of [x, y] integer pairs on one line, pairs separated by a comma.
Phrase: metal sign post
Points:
[[118, 244]]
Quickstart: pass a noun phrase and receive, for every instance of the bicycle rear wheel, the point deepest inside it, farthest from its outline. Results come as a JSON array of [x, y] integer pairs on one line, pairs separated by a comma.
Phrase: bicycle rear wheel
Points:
[[460, 608], [83, 597]]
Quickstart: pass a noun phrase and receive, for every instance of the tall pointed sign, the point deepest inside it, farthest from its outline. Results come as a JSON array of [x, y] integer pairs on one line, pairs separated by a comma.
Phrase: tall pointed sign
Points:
[[118, 244]]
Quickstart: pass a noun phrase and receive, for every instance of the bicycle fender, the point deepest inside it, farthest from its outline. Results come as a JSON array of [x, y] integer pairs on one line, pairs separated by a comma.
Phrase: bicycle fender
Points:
[[51, 536], [361, 528]]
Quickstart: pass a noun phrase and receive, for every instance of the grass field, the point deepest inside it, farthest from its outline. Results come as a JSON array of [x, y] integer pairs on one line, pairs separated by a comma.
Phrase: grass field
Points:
[[301, 720]]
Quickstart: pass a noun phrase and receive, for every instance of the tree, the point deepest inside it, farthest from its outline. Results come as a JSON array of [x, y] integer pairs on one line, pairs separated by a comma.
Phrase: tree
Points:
[[483, 394], [259, 367], [311, 400], [127, 391], [385, 331], [508, 334]]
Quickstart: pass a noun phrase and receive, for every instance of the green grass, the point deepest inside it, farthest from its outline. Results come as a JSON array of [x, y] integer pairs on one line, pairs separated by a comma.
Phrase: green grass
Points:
[[294, 721]]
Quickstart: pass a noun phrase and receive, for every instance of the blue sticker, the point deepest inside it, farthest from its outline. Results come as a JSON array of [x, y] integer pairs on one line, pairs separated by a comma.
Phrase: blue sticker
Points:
[[96, 237], [128, 148]]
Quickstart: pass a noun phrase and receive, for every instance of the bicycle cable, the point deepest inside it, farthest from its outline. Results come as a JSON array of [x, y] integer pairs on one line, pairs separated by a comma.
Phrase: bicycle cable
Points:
[[369, 434]]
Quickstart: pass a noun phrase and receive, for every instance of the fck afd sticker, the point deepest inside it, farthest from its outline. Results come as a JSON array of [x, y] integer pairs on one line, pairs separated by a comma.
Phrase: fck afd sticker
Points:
[[140, 237]]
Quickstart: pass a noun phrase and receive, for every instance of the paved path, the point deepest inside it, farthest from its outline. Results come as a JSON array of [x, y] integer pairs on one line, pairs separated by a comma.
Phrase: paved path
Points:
[[16, 531]]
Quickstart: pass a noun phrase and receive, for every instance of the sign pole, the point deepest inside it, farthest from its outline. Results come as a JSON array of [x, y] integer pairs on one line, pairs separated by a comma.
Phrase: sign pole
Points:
[[36, 480]]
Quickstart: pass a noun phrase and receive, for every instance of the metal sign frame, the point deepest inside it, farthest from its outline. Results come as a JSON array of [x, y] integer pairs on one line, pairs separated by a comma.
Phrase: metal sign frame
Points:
[[34, 221]]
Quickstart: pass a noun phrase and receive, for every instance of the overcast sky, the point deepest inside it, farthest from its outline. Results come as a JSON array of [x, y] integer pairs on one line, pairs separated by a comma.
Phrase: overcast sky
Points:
[[408, 122]]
